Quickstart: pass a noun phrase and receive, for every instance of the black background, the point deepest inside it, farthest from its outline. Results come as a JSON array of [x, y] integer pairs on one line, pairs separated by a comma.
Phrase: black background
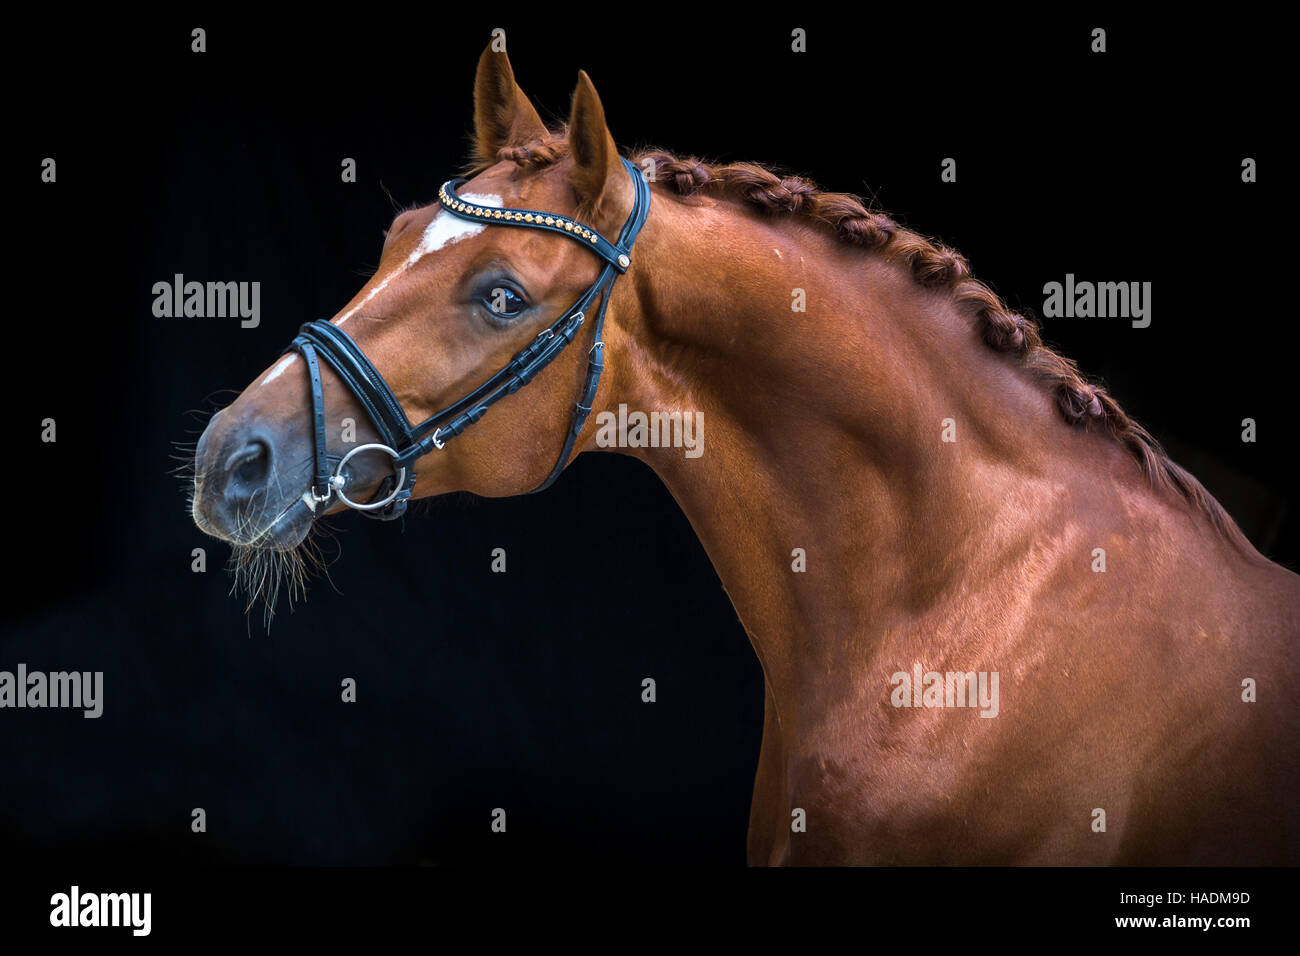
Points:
[[522, 690]]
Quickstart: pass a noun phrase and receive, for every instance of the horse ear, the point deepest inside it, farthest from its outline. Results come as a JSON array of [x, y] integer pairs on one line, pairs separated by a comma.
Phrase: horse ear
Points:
[[502, 114], [595, 157]]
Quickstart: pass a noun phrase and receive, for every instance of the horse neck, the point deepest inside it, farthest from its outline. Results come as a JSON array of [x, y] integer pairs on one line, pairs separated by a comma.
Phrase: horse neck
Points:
[[822, 429]]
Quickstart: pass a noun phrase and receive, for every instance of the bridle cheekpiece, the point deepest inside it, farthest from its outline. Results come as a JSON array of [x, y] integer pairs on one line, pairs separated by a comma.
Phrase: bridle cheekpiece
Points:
[[406, 443]]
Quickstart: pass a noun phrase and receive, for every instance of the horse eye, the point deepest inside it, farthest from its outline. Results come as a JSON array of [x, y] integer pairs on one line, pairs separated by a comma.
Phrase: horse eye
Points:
[[504, 302]]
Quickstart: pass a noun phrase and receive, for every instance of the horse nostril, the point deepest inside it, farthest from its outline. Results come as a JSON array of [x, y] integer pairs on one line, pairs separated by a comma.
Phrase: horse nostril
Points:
[[249, 469]]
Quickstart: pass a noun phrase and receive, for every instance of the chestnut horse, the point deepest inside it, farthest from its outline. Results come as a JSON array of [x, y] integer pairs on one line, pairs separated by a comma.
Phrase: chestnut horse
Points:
[[996, 623]]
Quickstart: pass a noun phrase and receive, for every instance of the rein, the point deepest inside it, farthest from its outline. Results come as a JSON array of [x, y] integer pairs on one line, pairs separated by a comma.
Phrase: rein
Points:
[[406, 443]]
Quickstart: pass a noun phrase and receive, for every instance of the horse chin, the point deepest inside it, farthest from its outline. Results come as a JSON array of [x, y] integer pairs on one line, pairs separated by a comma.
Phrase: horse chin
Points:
[[287, 531]]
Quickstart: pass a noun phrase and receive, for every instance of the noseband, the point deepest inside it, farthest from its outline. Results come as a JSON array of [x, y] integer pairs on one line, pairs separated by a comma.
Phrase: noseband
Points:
[[405, 443]]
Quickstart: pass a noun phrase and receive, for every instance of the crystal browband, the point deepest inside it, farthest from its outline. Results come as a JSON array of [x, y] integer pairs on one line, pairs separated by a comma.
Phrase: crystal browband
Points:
[[528, 217], [490, 212]]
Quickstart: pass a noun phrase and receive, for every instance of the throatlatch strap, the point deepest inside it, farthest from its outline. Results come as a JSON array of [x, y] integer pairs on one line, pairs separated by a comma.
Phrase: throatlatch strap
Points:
[[595, 365], [596, 355]]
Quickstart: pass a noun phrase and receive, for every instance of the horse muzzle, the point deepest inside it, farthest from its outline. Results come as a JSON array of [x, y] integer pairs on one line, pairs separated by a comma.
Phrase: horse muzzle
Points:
[[253, 482]]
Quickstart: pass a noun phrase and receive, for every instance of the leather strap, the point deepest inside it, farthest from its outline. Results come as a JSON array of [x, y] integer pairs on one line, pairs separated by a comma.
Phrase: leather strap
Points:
[[615, 255], [414, 442], [321, 485], [362, 378], [596, 354]]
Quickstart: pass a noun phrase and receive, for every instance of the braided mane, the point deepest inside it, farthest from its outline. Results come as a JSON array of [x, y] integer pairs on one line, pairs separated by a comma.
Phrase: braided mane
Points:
[[1083, 404]]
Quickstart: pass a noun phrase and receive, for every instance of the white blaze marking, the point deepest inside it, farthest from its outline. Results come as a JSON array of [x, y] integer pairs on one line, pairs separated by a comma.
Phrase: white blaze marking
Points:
[[443, 230], [280, 366], [375, 291]]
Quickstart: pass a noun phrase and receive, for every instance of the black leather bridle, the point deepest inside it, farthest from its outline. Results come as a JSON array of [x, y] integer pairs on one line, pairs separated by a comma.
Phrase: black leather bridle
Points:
[[405, 443]]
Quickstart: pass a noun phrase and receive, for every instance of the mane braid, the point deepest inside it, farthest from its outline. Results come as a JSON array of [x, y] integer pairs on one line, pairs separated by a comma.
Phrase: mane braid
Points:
[[1081, 403]]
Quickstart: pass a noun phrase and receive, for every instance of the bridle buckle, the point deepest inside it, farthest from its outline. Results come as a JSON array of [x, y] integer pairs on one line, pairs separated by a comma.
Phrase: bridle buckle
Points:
[[333, 483]]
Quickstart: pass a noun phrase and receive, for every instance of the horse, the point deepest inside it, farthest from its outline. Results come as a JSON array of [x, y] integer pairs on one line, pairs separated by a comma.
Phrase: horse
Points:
[[996, 623]]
